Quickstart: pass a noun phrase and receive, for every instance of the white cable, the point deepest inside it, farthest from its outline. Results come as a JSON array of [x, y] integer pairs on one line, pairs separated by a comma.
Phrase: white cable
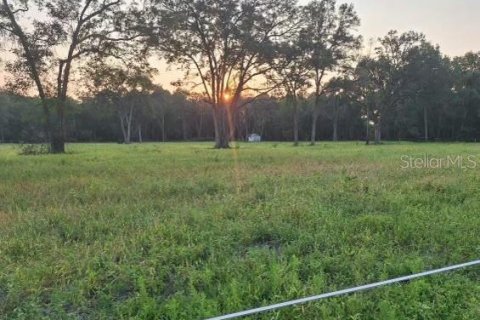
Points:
[[344, 291]]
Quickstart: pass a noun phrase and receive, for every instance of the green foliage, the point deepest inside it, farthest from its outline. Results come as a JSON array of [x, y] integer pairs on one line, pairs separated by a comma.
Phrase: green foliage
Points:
[[182, 231]]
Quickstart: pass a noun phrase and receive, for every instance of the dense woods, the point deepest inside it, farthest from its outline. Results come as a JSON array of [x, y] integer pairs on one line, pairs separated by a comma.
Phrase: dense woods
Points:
[[275, 68]]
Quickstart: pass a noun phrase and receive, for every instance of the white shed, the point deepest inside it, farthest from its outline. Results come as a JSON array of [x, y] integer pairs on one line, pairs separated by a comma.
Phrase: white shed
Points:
[[254, 137]]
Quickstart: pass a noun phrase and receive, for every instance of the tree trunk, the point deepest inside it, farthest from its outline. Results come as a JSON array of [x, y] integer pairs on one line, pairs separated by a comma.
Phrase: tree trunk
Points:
[[367, 138], [315, 114], [335, 128], [128, 133], [425, 122], [57, 144], [247, 126], [295, 121], [122, 126], [335, 121], [313, 134], [220, 121], [126, 124], [140, 138], [164, 133], [130, 116], [378, 131]]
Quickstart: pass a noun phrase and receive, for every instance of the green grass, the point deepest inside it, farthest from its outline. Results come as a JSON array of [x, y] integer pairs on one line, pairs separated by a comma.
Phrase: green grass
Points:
[[182, 231]]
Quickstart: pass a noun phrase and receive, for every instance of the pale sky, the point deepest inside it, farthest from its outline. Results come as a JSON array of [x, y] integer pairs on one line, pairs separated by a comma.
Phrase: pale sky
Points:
[[453, 24]]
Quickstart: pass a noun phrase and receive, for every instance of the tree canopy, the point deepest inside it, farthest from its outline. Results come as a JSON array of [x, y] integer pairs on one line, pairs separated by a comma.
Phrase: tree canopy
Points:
[[289, 71]]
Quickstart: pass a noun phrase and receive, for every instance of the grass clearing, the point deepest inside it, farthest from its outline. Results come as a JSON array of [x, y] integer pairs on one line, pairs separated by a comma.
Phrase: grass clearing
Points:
[[182, 231]]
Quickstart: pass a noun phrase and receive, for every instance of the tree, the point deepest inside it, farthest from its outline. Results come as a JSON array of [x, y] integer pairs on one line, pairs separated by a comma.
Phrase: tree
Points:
[[124, 87], [329, 37], [394, 55], [338, 90], [466, 91], [224, 45], [383, 82], [430, 83], [290, 72], [367, 80], [159, 99], [68, 32]]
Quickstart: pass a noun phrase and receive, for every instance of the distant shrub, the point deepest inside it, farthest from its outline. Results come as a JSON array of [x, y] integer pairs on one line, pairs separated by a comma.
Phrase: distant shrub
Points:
[[31, 149]]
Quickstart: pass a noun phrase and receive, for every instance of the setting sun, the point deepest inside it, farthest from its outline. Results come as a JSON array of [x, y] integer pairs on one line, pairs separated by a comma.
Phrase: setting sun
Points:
[[227, 96]]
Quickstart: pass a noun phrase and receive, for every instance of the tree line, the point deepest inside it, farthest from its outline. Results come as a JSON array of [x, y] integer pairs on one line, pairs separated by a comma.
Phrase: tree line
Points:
[[273, 67]]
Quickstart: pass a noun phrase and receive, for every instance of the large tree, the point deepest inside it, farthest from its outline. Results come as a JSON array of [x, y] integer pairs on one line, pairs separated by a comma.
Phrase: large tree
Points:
[[329, 36], [383, 82], [225, 47], [465, 111], [50, 36], [338, 90], [290, 71], [368, 79], [428, 87]]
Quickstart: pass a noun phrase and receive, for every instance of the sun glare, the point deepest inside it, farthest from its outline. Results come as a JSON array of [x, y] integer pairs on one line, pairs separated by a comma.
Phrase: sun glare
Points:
[[227, 96]]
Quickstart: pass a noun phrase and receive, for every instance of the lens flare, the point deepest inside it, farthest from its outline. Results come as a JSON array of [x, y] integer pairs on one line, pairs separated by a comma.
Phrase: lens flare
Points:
[[227, 96]]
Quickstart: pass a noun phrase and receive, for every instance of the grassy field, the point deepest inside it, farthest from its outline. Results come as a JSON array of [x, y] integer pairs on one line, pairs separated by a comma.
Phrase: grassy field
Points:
[[182, 231]]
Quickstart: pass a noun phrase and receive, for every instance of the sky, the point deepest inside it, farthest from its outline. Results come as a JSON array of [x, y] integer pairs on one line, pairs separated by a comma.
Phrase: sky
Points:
[[452, 24]]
